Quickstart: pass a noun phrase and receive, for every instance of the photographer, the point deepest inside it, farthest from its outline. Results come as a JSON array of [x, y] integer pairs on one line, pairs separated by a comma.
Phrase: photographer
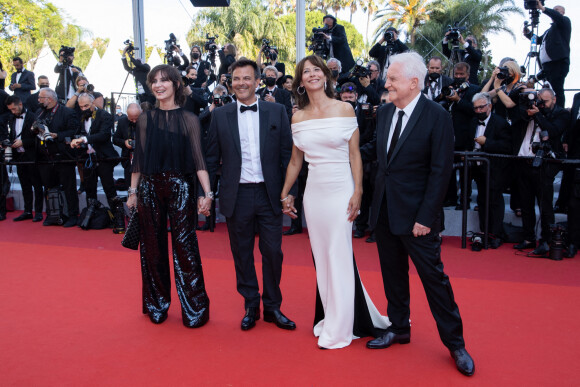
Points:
[[202, 68], [23, 142], [383, 53], [272, 93], [197, 98], [504, 87], [22, 81], [32, 101], [139, 72], [469, 53], [369, 85], [94, 143], [339, 48], [57, 123], [124, 137], [435, 81], [271, 54], [83, 86], [227, 57], [538, 134], [68, 73], [555, 49]]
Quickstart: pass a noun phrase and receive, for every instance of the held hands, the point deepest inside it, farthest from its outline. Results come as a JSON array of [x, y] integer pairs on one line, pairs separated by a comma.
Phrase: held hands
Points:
[[132, 202], [288, 207], [540, 6], [420, 230], [204, 205], [354, 206]]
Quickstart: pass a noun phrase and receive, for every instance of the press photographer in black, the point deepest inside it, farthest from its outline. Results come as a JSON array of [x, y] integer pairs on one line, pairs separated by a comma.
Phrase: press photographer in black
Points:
[[139, 71], [23, 142], [369, 86], [435, 81], [83, 86], [272, 93], [56, 123], [555, 49], [197, 97], [339, 48], [202, 67], [124, 138], [94, 144], [271, 55], [538, 134], [67, 74], [383, 53], [227, 55], [467, 51]]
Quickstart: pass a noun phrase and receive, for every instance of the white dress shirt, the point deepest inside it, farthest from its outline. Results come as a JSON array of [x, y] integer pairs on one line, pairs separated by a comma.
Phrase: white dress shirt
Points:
[[249, 128], [531, 131], [408, 111], [88, 124], [480, 131], [18, 123]]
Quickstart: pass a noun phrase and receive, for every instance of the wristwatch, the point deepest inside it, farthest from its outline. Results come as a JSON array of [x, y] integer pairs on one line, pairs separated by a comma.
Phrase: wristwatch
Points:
[[209, 195]]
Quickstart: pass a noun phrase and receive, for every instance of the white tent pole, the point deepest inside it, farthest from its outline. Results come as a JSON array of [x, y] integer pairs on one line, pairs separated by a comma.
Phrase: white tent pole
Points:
[[300, 29], [139, 30]]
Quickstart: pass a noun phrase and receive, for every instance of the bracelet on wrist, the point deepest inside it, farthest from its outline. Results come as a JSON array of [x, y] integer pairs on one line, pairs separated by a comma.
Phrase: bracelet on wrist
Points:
[[132, 191], [283, 200], [209, 195]]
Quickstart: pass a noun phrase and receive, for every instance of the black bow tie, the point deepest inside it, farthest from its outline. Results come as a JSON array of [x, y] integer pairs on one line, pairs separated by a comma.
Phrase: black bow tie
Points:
[[253, 108], [482, 123], [19, 71], [18, 117]]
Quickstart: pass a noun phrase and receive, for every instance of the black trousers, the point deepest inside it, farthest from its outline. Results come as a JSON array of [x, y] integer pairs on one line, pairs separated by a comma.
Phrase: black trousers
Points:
[[53, 175], [496, 201], [369, 176], [425, 252], [556, 72], [252, 212], [4, 188], [574, 214], [537, 184], [173, 195], [298, 202], [104, 171], [29, 178]]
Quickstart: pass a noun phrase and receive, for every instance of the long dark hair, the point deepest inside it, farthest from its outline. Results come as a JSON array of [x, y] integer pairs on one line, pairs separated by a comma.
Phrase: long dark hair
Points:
[[173, 75], [302, 99]]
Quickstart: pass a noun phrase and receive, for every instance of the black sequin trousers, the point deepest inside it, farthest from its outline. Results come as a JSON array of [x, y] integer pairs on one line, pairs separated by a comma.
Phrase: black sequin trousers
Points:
[[162, 195]]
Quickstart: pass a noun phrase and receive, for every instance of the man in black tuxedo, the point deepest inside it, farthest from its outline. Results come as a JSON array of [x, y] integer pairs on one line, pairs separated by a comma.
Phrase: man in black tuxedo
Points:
[[23, 149], [94, 142], [66, 85], [573, 138], [383, 53], [139, 71], [4, 181], [543, 123], [555, 49], [254, 143], [124, 137], [32, 104], [22, 81], [414, 148], [272, 93], [62, 124], [200, 67], [339, 48], [469, 54], [197, 98], [227, 57], [435, 81], [491, 134]]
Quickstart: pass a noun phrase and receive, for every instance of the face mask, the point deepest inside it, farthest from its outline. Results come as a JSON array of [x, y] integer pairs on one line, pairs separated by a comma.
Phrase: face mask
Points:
[[119, 111], [335, 73], [270, 81], [434, 76], [195, 56], [273, 56], [42, 86], [87, 113], [481, 116]]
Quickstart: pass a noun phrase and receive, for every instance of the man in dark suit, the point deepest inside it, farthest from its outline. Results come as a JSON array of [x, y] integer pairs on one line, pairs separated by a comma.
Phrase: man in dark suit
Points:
[[435, 81], [227, 57], [254, 143], [4, 181], [62, 124], [96, 126], [23, 149], [393, 47], [414, 148], [272, 93], [339, 48], [573, 138], [469, 54], [124, 137], [544, 123], [491, 134], [66, 85], [200, 66], [22, 81], [32, 104], [555, 49], [139, 71]]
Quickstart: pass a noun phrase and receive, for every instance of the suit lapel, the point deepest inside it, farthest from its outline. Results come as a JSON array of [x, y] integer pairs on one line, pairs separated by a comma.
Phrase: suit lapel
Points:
[[411, 124], [234, 128], [382, 146], [264, 115]]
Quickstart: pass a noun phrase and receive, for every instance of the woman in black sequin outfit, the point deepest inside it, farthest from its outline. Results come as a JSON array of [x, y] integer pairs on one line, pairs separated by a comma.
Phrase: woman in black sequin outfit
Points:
[[166, 160]]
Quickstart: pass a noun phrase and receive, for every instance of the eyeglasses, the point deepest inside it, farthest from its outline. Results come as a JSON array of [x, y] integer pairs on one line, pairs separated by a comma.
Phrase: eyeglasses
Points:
[[480, 107]]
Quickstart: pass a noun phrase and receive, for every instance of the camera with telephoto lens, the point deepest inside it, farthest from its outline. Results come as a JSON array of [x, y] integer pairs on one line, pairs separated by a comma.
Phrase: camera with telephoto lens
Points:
[[268, 50], [67, 52], [359, 71], [504, 73], [529, 99], [389, 37], [318, 43], [454, 33], [93, 206], [222, 100], [6, 150], [541, 150], [210, 47], [532, 7], [40, 128], [170, 45], [453, 89], [557, 242], [130, 47]]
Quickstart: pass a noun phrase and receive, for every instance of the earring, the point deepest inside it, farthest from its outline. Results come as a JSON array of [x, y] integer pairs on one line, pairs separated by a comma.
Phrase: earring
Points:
[[324, 85], [301, 90]]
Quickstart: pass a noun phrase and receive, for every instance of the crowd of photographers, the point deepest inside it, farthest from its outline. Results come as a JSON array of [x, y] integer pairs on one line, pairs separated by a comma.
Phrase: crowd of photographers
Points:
[[502, 115]]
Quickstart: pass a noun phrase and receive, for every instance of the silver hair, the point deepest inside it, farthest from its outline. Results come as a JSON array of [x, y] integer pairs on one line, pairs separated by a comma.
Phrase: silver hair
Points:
[[270, 68], [86, 95], [483, 95], [506, 59], [333, 60], [374, 63], [50, 93], [547, 90], [413, 65], [219, 88]]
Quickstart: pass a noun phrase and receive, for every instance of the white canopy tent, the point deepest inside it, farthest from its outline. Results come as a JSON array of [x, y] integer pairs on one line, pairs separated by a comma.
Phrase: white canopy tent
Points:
[[44, 64], [94, 66]]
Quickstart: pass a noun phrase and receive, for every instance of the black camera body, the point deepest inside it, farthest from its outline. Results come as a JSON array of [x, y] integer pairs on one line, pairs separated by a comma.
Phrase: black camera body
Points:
[[454, 33], [6, 143], [132, 144], [130, 47], [222, 100], [210, 45], [532, 7], [268, 50], [454, 88], [318, 44], [529, 99], [82, 144], [368, 111], [170, 45], [532, 4], [389, 37], [67, 52], [557, 246], [40, 128], [504, 73], [359, 71]]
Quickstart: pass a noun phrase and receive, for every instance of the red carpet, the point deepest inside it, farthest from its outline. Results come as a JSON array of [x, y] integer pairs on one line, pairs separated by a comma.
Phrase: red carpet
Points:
[[71, 315]]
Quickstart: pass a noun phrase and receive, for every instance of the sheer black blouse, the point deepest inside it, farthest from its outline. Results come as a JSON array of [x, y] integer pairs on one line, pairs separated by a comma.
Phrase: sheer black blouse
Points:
[[168, 141]]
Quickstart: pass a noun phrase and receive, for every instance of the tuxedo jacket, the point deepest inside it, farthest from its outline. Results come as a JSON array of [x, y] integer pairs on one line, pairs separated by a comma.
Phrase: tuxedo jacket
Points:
[[224, 144], [557, 37], [281, 96], [125, 131], [27, 83], [341, 49], [65, 124], [26, 135], [201, 76], [555, 123], [64, 73], [572, 137], [415, 180], [462, 114], [100, 134], [443, 81]]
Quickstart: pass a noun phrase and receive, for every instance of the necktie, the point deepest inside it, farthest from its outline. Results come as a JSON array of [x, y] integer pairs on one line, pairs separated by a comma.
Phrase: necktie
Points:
[[396, 135], [253, 108]]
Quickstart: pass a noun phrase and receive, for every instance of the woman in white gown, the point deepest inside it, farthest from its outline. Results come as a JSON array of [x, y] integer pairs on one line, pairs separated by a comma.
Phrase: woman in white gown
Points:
[[325, 134]]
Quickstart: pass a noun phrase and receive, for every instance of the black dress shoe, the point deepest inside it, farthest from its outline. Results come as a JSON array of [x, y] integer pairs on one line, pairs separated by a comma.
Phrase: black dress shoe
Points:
[[525, 245], [358, 234], [389, 338], [292, 231], [542, 249], [37, 218], [371, 238], [278, 317], [463, 361], [23, 216], [494, 244], [250, 318], [570, 251], [71, 222]]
